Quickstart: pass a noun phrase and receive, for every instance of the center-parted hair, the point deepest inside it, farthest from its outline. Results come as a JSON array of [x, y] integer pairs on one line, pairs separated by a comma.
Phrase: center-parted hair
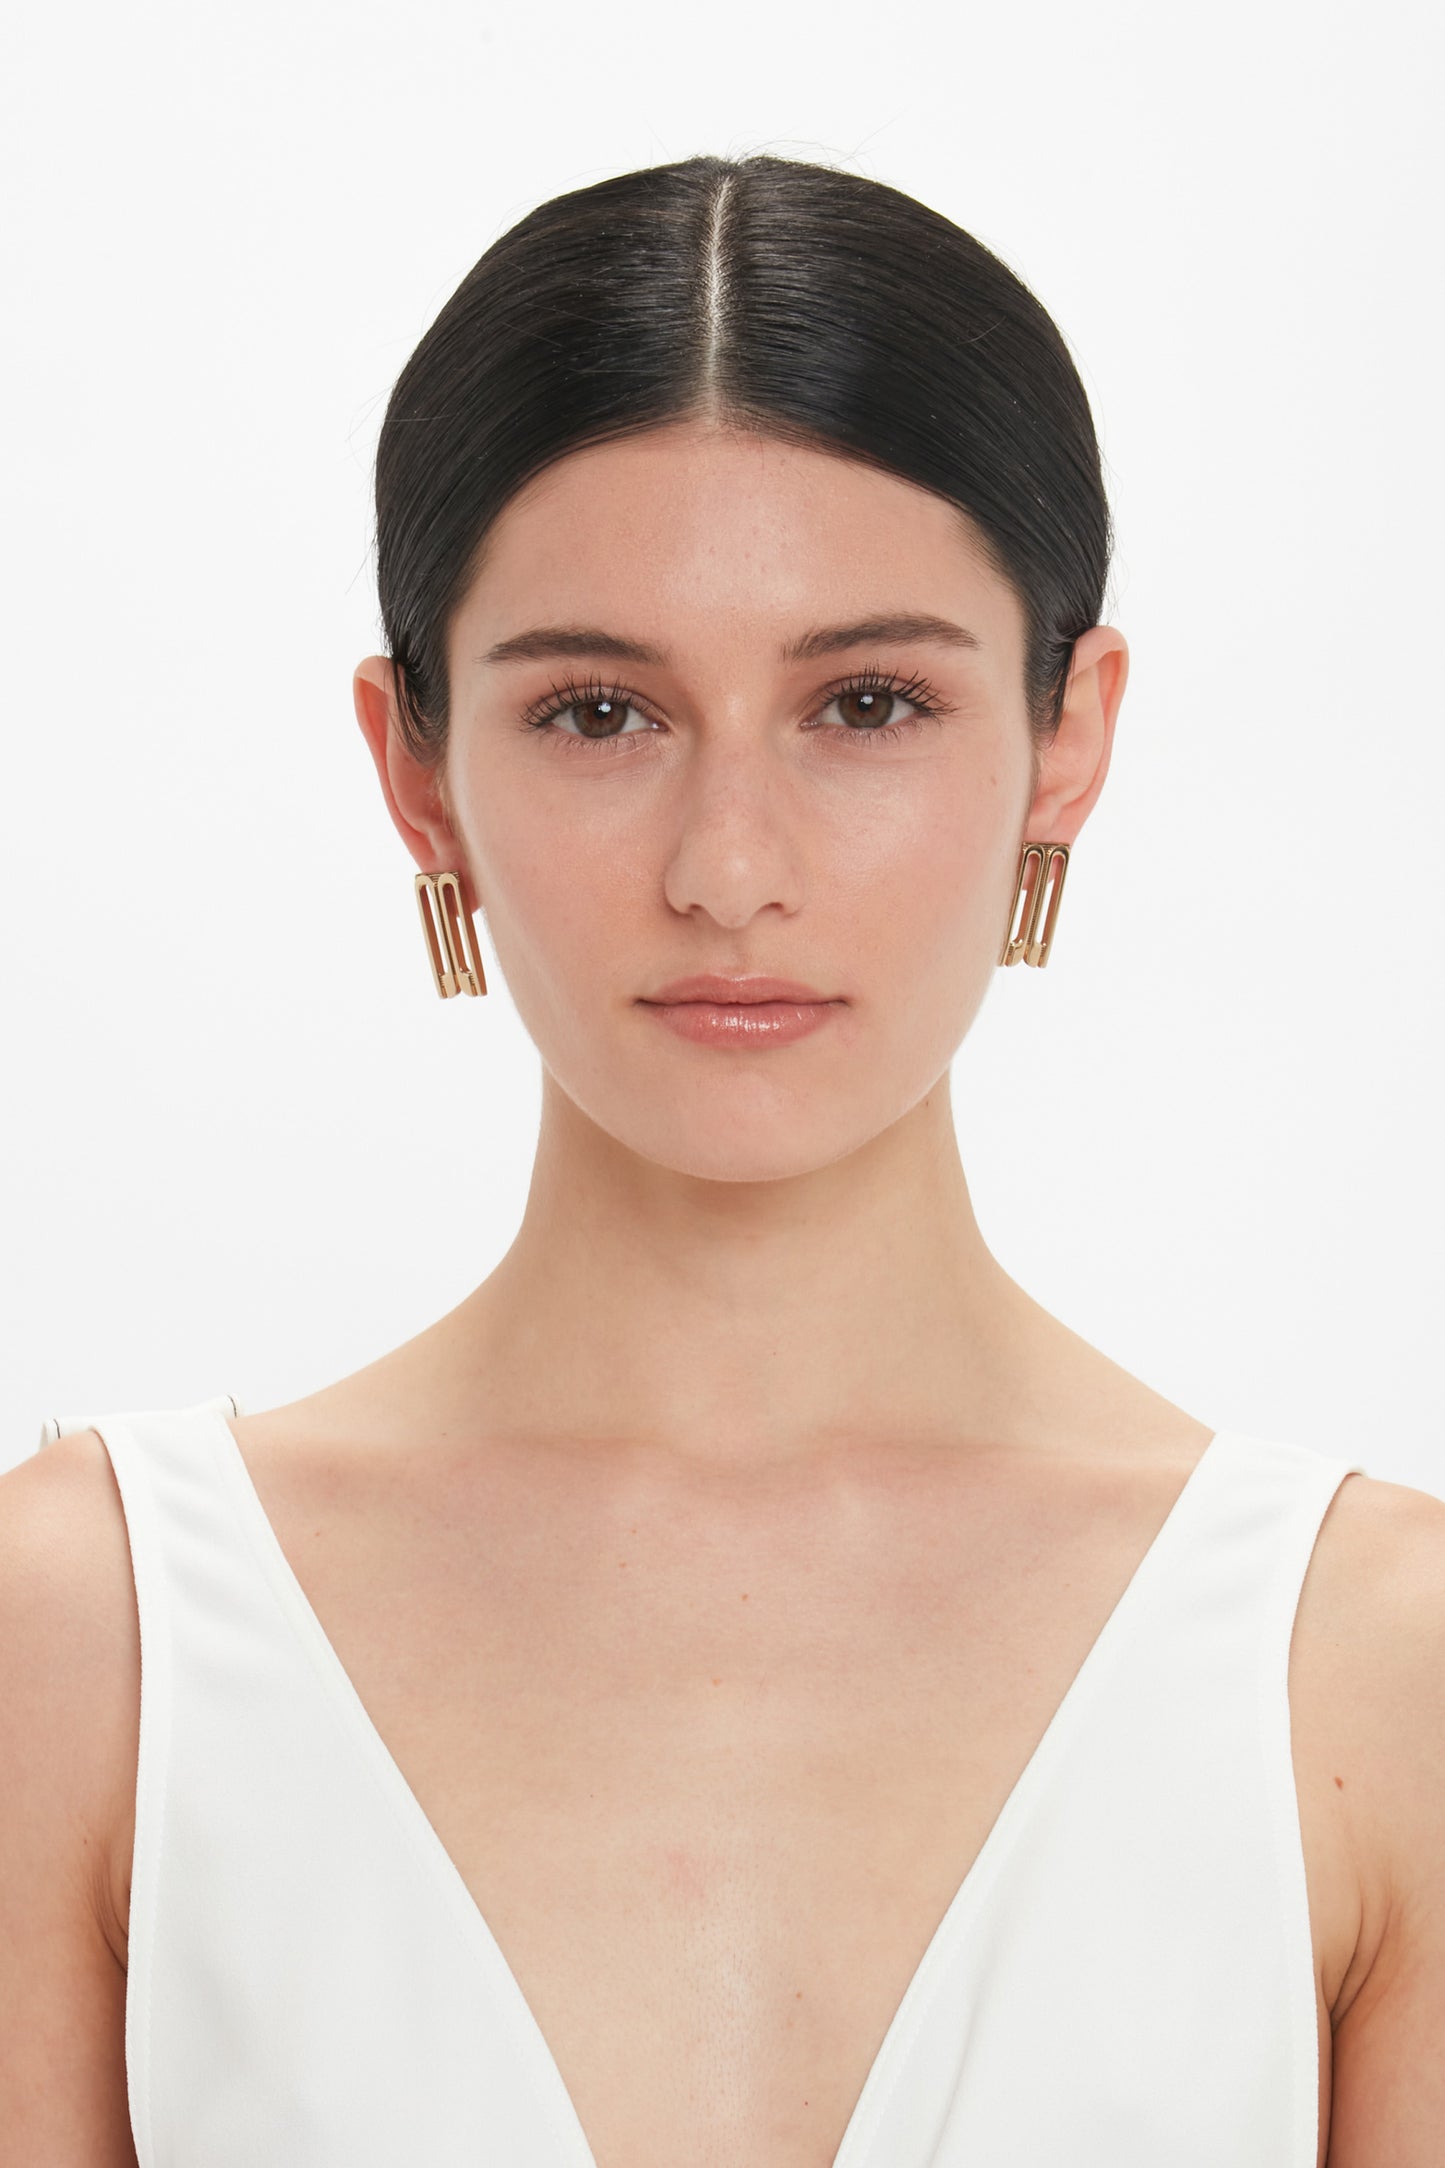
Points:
[[797, 300]]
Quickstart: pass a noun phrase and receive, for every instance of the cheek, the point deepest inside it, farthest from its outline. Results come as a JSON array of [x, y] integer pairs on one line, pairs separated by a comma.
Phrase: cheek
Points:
[[563, 905], [919, 877]]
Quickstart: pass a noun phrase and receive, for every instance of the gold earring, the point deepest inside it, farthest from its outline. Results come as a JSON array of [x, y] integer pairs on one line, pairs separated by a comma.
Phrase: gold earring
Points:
[[1031, 941], [451, 937]]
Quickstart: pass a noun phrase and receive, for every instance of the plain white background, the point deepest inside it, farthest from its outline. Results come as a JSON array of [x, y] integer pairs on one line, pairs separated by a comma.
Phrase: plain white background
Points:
[[245, 1147]]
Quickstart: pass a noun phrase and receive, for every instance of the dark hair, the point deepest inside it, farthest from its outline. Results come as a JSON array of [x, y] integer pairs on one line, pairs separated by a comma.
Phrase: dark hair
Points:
[[797, 300]]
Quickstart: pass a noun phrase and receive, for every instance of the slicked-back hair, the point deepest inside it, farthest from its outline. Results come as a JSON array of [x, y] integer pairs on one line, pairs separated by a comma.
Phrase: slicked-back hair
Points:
[[792, 299]]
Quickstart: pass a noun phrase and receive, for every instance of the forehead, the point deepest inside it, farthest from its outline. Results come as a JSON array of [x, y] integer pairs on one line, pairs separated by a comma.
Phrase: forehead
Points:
[[703, 525]]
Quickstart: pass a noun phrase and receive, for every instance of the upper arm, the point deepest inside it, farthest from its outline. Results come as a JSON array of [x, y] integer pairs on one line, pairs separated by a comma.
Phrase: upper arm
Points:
[[1388, 2085], [69, 1719]]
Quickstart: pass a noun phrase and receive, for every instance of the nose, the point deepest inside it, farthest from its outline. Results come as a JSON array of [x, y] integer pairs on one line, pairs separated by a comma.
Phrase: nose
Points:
[[737, 838]]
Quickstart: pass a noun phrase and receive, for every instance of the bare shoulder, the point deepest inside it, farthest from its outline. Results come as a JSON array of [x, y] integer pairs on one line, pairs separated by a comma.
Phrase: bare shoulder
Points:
[[69, 1635], [69, 1721], [1372, 1622], [67, 1590], [1374, 1606]]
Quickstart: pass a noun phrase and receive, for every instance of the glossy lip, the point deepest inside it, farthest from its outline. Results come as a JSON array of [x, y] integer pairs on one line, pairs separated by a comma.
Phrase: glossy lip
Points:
[[733, 993]]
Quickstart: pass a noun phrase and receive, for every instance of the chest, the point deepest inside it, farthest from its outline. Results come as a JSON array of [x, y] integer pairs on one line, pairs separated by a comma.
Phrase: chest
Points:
[[734, 1760]]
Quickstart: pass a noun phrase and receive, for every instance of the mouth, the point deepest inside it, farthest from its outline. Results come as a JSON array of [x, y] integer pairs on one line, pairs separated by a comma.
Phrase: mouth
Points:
[[718, 992], [747, 1013]]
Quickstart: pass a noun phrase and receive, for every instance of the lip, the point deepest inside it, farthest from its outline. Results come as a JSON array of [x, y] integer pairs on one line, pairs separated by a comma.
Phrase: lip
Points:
[[734, 993]]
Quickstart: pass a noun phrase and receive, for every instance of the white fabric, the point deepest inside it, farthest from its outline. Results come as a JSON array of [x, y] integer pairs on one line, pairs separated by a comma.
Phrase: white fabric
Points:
[[1124, 1979]]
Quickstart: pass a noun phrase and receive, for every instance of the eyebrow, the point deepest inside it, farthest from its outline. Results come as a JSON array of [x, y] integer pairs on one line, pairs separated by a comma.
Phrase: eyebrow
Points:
[[546, 642]]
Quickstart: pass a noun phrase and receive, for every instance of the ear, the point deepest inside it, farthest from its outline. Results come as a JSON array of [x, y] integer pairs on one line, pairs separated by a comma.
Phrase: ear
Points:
[[1072, 769], [414, 790]]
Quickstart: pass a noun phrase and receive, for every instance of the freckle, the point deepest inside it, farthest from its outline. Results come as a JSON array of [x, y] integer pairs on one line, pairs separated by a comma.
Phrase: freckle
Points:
[[799, 1996], [717, 1682], [1340, 1782], [622, 1561], [745, 1595]]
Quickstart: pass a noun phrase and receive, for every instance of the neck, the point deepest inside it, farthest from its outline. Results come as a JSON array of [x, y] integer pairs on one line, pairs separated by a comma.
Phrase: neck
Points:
[[747, 1323]]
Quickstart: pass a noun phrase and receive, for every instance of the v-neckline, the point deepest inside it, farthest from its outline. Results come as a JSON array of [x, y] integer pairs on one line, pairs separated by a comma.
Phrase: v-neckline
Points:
[[891, 2058]]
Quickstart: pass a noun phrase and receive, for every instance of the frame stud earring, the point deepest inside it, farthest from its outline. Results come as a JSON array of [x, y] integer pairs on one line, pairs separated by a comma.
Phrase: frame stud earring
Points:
[[1031, 932], [451, 937]]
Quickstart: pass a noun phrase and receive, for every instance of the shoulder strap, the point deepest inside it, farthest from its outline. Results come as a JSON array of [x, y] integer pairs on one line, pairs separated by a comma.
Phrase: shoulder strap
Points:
[[61, 1426], [175, 1518]]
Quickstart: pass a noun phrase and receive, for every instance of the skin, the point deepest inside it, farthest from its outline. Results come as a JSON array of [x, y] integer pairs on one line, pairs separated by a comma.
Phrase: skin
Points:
[[748, 1519], [735, 1196], [798, 1302]]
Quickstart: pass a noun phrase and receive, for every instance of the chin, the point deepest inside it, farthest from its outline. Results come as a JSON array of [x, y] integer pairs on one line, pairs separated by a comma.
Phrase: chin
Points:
[[729, 1144]]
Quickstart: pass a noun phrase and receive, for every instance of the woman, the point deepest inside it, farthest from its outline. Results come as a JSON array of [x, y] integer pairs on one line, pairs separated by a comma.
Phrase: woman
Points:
[[748, 1685]]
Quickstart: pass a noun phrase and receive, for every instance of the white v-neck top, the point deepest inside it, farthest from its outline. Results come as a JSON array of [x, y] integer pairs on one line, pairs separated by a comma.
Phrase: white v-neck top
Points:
[[1124, 1979]]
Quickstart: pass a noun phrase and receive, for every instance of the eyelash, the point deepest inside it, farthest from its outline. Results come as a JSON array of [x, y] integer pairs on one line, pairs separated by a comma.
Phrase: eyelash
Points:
[[560, 699]]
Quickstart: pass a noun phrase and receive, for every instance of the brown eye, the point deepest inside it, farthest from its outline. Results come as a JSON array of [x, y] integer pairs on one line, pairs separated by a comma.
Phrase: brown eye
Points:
[[606, 715], [874, 708], [866, 707]]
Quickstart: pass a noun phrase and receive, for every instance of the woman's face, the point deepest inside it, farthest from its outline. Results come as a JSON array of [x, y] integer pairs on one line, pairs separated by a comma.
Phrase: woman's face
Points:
[[717, 798]]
